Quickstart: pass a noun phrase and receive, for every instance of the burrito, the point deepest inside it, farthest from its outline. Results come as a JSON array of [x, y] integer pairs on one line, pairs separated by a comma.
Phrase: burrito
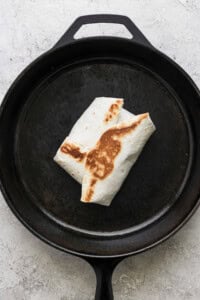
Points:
[[102, 147], [109, 162], [102, 113]]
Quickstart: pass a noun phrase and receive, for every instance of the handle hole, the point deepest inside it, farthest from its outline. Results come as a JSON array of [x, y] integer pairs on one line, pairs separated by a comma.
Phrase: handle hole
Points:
[[102, 29]]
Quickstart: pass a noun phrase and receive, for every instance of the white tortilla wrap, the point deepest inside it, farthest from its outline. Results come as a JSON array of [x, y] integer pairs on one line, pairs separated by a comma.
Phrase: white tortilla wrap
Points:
[[102, 113], [109, 162]]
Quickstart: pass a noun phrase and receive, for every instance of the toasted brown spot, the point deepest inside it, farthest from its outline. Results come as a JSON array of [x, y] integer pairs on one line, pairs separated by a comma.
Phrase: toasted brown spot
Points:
[[113, 110], [73, 151], [100, 160], [90, 192], [119, 101]]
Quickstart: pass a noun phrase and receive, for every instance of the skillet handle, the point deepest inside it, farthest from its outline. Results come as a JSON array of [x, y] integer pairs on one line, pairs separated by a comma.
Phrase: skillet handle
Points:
[[68, 36], [104, 269]]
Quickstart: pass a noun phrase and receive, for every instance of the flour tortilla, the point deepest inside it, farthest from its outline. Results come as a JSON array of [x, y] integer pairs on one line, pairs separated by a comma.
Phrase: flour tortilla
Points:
[[96, 119], [104, 190]]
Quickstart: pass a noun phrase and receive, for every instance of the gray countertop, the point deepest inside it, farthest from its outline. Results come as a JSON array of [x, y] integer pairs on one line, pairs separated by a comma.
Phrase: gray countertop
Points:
[[32, 270]]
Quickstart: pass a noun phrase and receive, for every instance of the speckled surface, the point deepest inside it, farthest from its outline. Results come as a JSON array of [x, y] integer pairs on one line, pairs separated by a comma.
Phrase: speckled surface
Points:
[[31, 270]]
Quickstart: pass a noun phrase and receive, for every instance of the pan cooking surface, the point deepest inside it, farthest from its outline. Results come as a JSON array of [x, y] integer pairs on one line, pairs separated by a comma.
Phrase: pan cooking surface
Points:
[[51, 110]]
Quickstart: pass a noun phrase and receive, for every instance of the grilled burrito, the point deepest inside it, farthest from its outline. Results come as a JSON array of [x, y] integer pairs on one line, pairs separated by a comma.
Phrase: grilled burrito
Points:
[[102, 147]]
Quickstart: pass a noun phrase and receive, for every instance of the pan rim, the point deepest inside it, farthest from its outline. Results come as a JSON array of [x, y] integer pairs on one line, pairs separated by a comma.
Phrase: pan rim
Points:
[[6, 193]]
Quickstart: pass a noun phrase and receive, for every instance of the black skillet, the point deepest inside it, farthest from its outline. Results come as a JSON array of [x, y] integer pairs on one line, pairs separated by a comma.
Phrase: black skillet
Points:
[[162, 190]]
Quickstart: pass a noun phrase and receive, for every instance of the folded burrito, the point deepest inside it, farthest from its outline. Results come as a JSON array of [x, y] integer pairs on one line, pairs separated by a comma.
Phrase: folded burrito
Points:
[[102, 147], [108, 163], [102, 113]]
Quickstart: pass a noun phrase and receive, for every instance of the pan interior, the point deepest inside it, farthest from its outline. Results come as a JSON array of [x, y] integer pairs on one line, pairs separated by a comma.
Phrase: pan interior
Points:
[[51, 110]]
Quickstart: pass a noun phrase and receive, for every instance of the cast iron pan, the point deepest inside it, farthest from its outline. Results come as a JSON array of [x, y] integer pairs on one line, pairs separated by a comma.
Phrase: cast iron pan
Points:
[[162, 190]]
